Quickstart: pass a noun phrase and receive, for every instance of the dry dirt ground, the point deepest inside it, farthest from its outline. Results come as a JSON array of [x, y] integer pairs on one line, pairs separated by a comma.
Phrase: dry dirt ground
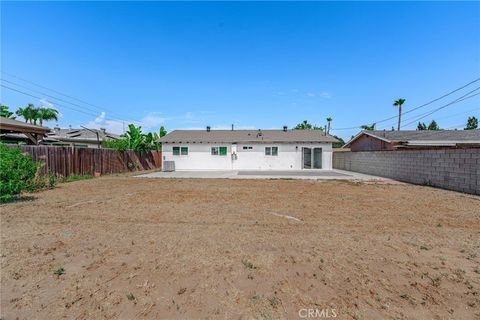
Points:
[[138, 248]]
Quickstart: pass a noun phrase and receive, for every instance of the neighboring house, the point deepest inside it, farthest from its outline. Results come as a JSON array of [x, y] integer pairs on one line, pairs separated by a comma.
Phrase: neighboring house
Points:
[[86, 138], [248, 149], [14, 131], [423, 139]]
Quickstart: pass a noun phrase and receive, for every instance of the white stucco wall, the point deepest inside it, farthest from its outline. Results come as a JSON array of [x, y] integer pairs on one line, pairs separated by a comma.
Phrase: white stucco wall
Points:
[[199, 156]]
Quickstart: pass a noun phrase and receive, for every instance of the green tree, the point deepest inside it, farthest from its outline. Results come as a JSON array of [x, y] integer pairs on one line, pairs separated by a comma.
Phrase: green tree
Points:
[[368, 127], [17, 172], [399, 103], [4, 112], [421, 126], [163, 131], [135, 139], [28, 113], [472, 123], [46, 114], [339, 144], [305, 125], [433, 126], [329, 120]]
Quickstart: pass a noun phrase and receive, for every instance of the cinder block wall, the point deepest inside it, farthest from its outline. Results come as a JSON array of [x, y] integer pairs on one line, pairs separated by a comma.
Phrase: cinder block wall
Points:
[[453, 169]]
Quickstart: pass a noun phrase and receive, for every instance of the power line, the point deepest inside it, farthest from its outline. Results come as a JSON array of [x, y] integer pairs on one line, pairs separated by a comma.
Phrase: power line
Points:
[[417, 117], [37, 97], [449, 116], [462, 98], [53, 90], [416, 108], [62, 100]]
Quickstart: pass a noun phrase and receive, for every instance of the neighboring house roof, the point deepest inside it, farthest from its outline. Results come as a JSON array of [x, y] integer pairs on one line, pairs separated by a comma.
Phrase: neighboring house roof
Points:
[[31, 132], [78, 135], [423, 137], [235, 136], [10, 125]]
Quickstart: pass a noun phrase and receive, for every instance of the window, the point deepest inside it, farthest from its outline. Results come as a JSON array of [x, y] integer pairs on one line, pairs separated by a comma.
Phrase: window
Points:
[[271, 151], [222, 151], [180, 151]]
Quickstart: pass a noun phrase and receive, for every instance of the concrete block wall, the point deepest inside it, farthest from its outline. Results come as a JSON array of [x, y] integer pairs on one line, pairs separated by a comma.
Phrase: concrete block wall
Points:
[[452, 169]]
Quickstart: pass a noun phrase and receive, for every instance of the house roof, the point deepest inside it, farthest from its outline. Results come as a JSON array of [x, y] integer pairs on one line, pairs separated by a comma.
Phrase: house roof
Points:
[[10, 125], [84, 135], [233, 136], [423, 137]]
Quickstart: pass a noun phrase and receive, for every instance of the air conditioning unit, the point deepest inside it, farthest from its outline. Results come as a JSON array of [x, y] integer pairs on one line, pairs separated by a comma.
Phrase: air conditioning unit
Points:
[[168, 166]]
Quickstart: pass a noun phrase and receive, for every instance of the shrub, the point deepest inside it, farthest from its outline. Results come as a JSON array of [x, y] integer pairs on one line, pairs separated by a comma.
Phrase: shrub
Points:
[[17, 172]]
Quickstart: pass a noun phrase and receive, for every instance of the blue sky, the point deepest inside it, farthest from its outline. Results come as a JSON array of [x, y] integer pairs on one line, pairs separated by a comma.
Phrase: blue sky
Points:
[[253, 64]]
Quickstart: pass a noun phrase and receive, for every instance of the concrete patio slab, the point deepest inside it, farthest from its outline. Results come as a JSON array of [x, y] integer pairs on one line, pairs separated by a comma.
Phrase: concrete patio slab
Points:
[[274, 174]]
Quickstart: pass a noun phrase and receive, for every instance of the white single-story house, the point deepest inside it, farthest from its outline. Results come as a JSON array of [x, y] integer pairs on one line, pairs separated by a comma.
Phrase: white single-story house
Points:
[[247, 150]]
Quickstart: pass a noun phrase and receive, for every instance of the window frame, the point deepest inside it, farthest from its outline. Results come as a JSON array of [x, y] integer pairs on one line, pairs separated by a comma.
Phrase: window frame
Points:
[[182, 149], [269, 151], [176, 151], [219, 151]]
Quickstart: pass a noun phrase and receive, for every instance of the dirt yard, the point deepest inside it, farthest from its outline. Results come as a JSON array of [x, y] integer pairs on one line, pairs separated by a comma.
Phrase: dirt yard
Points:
[[136, 248]]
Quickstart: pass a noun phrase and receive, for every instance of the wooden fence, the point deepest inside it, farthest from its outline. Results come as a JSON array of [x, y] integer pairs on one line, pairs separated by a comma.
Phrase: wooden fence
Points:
[[67, 161]]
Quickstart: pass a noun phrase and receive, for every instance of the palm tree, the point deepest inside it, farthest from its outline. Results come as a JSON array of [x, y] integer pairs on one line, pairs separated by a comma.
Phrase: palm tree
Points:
[[29, 113], [399, 103], [329, 119], [46, 114]]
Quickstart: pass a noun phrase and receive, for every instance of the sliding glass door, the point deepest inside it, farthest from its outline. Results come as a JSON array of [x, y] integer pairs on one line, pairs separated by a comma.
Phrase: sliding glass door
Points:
[[312, 158]]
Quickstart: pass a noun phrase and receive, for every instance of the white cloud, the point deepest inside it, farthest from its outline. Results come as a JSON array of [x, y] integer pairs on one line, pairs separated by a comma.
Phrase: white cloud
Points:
[[150, 122], [311, 94], [325, 95], [45, 103], [112, 126]]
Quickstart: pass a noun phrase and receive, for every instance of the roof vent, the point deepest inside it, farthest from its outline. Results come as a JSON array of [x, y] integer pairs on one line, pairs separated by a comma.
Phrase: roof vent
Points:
[[285, 128], [208, 128], [232, 126]]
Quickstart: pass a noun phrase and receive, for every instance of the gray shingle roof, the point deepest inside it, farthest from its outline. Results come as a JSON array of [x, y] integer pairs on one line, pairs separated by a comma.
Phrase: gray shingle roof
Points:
[[229, 136], [79, 134], [427, 135]]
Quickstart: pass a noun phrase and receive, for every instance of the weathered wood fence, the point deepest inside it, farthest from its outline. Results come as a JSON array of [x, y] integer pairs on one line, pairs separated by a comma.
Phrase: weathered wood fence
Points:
[[67, 161]]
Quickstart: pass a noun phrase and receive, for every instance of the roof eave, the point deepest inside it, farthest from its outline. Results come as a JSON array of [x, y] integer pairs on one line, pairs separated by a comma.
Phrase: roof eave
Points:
[[347, 145]]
